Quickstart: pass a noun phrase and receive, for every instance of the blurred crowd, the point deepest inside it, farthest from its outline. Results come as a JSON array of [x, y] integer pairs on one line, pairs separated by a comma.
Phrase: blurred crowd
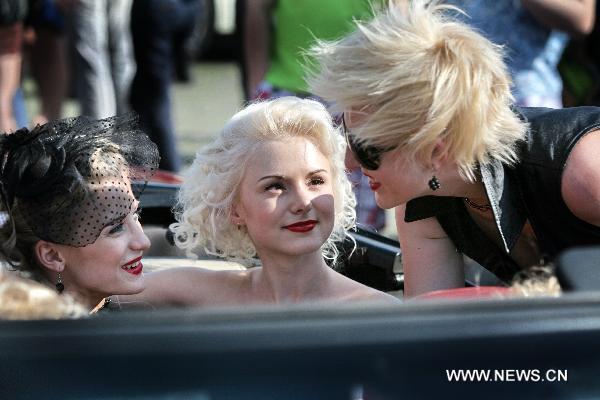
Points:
[[113, 56]]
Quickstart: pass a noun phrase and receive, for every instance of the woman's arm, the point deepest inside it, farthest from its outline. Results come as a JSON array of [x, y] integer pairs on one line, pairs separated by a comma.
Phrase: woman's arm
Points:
[[185, 286], [429, 256], [575, 17], [257, 39], [581, 179]]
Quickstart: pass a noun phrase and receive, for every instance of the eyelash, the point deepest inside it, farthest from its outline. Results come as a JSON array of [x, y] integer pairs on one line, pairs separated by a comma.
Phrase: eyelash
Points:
[[280, 186], [317, 181], [119, 227], [275, 186], [116, 229]]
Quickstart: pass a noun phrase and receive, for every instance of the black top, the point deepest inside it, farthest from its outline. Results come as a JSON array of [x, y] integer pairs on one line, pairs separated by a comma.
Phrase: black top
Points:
[[528, 191]]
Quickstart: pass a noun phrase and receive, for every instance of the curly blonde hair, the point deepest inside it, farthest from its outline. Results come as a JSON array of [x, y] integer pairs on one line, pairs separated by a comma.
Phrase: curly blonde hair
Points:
[[424, 76], [212, 182]]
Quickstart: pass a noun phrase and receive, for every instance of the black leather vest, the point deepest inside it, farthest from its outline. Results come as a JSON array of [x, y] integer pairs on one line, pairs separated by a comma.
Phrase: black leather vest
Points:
[[528, 191]]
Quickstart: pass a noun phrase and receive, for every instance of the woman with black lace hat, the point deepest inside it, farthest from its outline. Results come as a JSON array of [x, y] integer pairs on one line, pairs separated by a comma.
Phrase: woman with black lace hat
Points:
[[71, 208]]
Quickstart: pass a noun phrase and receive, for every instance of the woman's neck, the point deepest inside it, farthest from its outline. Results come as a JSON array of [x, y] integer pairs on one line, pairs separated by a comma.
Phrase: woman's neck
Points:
[[90, 301], [87, 299], [289, 279], [452, 184]]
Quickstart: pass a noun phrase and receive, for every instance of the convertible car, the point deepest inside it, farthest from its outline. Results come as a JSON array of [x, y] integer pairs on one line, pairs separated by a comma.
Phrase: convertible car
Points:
[[440, 348]]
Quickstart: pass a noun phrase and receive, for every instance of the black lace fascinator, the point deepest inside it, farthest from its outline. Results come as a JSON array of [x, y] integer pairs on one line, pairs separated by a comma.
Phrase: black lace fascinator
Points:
[[71, 178]]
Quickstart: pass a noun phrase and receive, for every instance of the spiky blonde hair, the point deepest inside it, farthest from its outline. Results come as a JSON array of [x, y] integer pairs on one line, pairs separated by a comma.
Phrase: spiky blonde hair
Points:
[[424, 76]]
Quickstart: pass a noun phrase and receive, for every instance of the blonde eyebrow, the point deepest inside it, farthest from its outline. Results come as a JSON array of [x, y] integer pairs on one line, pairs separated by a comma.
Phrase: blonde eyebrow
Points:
[[316, 171], [282, 177]]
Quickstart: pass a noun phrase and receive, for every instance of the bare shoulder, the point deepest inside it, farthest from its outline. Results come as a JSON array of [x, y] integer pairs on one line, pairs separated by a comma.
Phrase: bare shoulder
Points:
[[427, 228], [379, 296], [351, 290], [429, 256], [580, 183], [423, 241]]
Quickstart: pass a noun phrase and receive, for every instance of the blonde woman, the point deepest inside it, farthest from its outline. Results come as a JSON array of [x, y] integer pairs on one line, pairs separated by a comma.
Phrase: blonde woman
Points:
[[272, 185], [429, 115]]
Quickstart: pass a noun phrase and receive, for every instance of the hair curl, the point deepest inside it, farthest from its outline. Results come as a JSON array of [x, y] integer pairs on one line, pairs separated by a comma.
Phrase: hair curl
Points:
[[211, 184], [425, 76]]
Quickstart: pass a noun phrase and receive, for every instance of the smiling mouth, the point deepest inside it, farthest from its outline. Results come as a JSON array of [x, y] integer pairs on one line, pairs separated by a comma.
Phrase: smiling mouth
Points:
[[135, 267], [300, 227]]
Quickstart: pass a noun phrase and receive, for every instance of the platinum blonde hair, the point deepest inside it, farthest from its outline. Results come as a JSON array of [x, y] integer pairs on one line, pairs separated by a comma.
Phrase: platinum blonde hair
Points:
[[423, 76], [211, 184]]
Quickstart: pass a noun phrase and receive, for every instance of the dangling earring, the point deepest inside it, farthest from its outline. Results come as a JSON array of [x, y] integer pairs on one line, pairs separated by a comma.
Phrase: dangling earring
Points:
[[59, 285], [434, 183]]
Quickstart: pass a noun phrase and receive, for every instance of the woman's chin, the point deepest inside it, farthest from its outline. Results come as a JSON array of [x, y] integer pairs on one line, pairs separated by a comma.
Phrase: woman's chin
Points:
[[133, 286], [385, 202]]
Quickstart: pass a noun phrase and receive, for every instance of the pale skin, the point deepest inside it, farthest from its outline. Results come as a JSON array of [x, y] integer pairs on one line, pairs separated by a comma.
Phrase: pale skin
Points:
[[286, 181], [430, 259], [10, 73], [575, 17], [95, 271]]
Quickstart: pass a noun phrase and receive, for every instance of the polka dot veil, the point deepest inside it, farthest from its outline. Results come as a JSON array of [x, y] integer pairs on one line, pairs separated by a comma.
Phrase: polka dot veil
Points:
[[72, 178]]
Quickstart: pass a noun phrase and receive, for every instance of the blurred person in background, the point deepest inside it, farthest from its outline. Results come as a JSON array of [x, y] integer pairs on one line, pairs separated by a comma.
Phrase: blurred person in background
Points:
[[580, 69], [277, 34], [46, 50], [155, 25], [534, 33], [12, 13], [103, 56]]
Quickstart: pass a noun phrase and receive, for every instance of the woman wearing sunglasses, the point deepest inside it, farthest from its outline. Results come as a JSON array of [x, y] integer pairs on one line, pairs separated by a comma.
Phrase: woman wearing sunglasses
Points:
[[429, 115]]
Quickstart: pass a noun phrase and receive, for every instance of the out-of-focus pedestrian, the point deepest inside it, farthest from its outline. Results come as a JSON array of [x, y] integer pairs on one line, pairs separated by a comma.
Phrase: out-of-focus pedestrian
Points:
[[534, 33], [46, 50], [103, 56], [12, 14], [154, 25]]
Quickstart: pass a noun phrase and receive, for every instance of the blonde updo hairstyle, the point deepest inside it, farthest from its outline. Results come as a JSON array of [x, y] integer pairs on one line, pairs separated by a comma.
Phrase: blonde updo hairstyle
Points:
[[211, 184], [423, 76]]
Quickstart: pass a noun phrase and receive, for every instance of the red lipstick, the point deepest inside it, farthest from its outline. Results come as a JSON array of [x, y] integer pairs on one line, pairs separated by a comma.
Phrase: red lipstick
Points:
[[134, 266], [374, 186], [303, 226]]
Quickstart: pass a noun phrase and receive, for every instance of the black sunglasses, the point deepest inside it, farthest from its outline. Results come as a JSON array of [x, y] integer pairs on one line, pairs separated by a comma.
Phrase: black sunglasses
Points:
[[368, 156]]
